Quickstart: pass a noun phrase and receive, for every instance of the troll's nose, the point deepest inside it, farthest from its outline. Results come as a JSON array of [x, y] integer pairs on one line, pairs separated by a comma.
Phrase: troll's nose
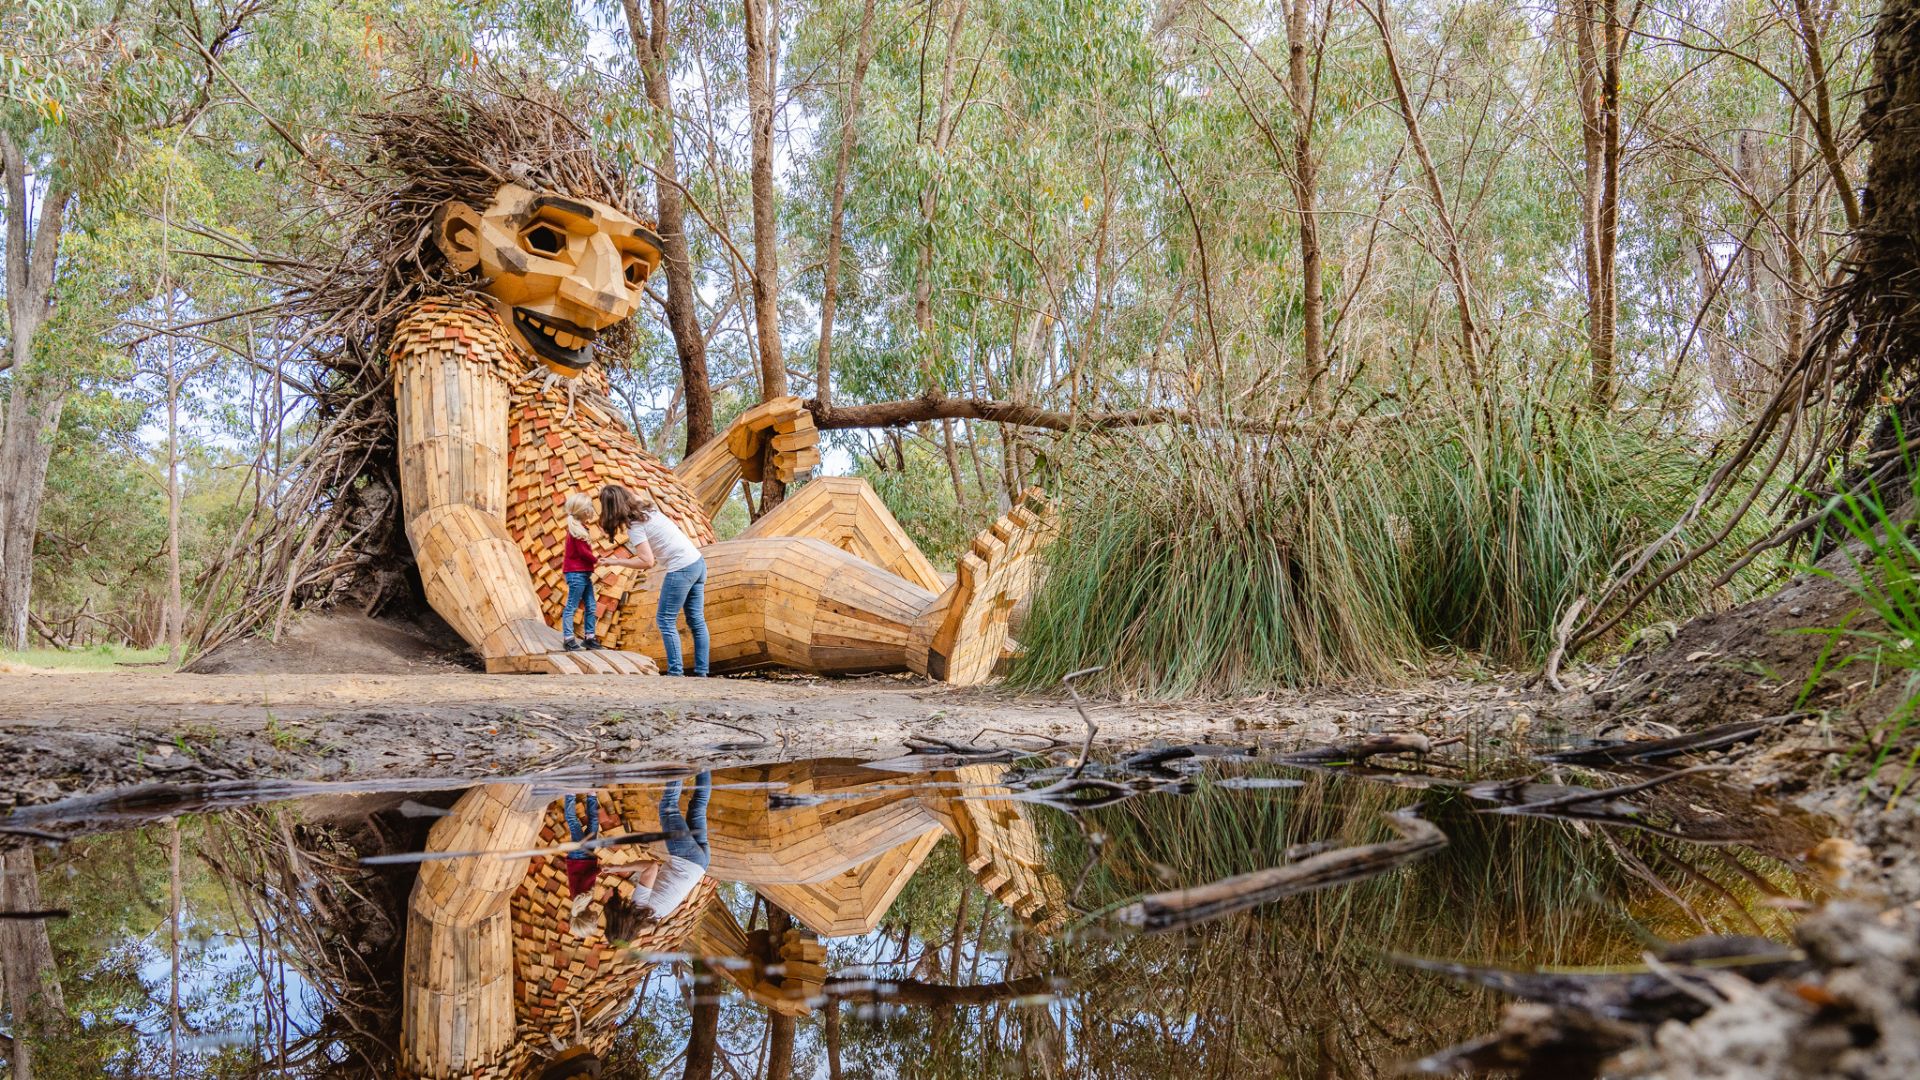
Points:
[[598, 282]]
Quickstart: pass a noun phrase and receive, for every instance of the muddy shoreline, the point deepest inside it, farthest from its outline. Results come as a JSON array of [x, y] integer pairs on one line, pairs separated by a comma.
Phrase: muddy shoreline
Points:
[[68, 734]]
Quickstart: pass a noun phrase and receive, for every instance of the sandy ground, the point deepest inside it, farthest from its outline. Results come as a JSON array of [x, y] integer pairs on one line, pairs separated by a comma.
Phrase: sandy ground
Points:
[[64, 733]]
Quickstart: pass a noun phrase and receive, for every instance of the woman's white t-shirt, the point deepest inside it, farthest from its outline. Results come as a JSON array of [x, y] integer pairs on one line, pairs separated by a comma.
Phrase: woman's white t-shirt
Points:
[[671, 548], [676, 879]]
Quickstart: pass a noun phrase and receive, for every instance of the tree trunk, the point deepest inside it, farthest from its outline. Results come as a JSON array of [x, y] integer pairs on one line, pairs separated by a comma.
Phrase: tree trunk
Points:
[[173, 942], [32, 982], [649, 35], [1450, 256], [762, 61], [780, 1026], [1796, 229], [1586, 92], [837, 218], [34, 398], [1882, 304], [952, 453], [1807, 28], [832, 1010], [930, 199], [705, 1035], [26, 445], [1303, 96]]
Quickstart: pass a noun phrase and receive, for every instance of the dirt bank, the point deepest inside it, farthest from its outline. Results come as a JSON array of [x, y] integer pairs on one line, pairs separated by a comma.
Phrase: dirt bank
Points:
[[62, 733]]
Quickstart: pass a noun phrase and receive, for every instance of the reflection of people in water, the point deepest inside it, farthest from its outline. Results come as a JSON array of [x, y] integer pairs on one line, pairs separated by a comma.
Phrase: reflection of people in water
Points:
[[583, 866], [688, 854]]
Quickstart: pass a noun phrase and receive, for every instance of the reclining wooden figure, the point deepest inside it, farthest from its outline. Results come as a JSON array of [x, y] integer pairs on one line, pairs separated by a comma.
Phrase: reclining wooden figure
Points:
[[502, 412]]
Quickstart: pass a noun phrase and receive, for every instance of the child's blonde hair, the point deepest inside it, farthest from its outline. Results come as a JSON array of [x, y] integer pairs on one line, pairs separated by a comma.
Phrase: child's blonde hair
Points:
[[586, 921], [580, 510]]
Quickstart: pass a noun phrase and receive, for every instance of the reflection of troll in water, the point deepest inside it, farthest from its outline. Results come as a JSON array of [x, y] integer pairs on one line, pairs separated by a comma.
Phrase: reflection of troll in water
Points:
[[688, 855], [497, 263]]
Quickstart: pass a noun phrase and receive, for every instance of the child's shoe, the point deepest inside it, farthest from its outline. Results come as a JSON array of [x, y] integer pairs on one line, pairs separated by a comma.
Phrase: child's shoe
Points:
[[571, 645], [594, 643]]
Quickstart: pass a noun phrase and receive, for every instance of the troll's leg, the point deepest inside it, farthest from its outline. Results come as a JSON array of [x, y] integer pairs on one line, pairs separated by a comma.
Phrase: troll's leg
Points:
[[846, 512], [802, 603]]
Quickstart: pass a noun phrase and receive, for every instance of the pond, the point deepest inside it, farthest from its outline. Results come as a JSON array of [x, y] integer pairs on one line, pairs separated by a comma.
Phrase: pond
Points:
[[958, 912]]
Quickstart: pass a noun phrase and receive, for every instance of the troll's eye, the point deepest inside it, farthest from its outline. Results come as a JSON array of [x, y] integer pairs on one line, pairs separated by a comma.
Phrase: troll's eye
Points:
[[636, 271], [543, 239]]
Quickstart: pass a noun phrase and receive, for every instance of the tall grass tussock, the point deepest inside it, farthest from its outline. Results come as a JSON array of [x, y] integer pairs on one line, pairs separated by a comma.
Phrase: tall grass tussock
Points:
[[1215, 563]]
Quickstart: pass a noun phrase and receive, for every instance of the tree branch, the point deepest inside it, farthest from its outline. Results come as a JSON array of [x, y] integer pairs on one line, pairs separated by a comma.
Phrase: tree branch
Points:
[[863, 989], [893, 414]]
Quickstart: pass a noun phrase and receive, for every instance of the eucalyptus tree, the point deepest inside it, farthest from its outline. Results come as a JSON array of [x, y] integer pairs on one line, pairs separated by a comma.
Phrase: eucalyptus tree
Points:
[[82, 82]]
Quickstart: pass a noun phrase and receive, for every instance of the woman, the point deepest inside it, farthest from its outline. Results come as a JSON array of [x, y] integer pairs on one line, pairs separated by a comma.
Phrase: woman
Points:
[[655, 540], [665, 885]]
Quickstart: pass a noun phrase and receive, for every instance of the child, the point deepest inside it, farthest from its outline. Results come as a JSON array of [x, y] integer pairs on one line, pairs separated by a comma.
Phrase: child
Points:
[[577, 562], [583, 866]]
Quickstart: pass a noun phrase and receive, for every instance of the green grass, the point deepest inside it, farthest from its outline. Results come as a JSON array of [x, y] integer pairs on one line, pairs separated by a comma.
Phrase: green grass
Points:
[[92, 658], [1226, 564], [1882, 570]]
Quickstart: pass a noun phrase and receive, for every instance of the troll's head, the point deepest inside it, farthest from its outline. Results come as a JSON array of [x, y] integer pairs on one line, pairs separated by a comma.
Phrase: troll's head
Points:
[[559, 269], [489, 188]]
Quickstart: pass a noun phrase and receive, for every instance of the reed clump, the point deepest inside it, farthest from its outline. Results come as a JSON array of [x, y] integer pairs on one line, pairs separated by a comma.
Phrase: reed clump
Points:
[[1219, 563]]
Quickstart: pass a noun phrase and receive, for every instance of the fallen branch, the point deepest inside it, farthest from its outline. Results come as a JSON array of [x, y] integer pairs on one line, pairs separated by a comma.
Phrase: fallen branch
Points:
[[867, 990], [1598, 794], [1714, 738], [1187, 907], [891, 414]]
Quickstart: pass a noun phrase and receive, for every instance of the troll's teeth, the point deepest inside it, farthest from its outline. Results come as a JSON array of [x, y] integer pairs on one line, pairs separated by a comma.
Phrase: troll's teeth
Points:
[[568, 341]]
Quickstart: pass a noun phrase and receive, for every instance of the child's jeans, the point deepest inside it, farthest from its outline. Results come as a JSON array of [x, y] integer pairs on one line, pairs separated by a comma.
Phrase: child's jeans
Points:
[[575, 828], [579, 588]]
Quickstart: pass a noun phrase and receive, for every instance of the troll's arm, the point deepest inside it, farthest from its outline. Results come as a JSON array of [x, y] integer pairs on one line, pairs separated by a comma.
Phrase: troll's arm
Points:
[[774, 437], [452, 406]]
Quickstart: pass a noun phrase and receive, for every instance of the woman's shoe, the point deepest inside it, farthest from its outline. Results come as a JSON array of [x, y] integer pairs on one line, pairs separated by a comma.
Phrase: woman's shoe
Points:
[[594, 643], [571, 645]]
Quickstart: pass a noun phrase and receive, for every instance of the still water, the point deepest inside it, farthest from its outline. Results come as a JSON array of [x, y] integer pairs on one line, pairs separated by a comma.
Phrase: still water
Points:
[[941, 915]]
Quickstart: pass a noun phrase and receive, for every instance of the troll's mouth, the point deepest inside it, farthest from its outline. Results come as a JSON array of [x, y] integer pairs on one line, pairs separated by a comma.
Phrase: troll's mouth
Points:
[[556, 339]]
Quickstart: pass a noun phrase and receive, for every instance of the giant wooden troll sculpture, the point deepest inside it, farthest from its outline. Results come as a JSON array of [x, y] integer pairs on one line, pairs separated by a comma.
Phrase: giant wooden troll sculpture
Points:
[[502, 413]]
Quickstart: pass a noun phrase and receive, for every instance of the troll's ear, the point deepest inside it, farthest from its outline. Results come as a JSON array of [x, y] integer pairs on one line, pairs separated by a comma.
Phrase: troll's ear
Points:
[[456, 229]]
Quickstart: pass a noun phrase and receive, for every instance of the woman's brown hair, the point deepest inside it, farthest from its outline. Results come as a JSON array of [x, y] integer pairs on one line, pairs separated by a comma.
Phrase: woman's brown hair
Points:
[[620, 508]]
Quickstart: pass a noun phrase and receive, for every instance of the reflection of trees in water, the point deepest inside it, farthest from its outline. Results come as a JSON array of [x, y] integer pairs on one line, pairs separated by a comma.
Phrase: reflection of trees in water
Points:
[[297, 946], [1302, 986], [1296, 988], [112, 957], [31, 982], [288, 955], [319, 919]]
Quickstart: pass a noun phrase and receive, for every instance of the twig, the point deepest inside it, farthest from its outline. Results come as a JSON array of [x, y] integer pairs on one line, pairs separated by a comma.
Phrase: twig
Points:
[[1079, 706]]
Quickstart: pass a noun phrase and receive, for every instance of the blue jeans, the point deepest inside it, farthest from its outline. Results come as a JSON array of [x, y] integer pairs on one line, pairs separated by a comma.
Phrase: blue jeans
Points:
[[579, 589], [687, 834], [575, 827], [686, 587]]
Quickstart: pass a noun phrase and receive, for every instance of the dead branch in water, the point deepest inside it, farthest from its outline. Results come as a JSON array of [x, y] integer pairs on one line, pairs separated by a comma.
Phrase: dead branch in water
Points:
[[1187, 907], [1580, 797], [1359, 750]]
